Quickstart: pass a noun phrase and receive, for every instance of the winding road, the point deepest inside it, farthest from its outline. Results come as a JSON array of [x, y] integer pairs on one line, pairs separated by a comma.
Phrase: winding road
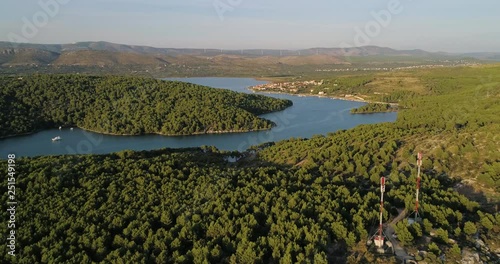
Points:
[[399, 251]]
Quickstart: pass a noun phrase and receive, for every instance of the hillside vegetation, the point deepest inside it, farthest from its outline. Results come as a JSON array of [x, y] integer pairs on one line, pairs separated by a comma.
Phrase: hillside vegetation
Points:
[[103, 58], [128, 105], [373, 108], [454, 122], [191, 206]]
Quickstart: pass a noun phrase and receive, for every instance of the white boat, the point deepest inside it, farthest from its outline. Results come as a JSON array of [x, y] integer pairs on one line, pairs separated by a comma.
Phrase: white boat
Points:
[[56, 138]]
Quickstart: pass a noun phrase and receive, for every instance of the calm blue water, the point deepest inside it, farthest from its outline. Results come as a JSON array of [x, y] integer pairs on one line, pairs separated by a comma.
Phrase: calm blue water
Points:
[[308, 116]]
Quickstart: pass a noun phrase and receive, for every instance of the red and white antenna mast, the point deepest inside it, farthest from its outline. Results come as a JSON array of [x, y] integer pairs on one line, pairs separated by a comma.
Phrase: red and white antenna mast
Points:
[[417, 192], [379, 240], [419, 164]]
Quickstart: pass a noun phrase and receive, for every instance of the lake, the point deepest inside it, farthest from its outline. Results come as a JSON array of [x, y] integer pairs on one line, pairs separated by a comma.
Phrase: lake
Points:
[[307, 117]]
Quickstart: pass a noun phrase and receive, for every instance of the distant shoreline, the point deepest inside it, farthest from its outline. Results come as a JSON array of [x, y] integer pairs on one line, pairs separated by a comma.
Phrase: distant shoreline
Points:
[[324, 96], [23, 134], [271, 79], [144, 134], [178, 135]]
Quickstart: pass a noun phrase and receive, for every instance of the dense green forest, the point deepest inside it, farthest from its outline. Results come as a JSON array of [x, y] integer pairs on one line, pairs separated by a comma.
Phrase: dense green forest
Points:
[[455, 125], [300, 200], [127, 105], [373, 108], [190, 205]]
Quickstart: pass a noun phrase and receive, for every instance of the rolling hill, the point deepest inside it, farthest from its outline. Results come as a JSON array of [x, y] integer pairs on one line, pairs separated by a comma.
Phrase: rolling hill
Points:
[[108, 58], [27, 56], [111, 58], [128, 106], [29, 53]]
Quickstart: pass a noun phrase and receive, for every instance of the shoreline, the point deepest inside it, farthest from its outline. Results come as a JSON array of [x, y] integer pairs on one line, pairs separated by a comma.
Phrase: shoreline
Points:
[[270, 80], [145, 134], [23, 134], [325, 96], [250, 88], [368, 113]]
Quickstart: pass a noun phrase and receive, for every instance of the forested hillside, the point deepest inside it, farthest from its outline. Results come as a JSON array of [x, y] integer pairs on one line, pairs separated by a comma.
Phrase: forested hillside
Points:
[[457, 127], [456, 124], [190, 206], [373, 108], [127, 105]]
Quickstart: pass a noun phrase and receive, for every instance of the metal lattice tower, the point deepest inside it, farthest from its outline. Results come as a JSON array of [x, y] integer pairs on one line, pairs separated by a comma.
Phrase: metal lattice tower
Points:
[[417, 191], [379, 236]]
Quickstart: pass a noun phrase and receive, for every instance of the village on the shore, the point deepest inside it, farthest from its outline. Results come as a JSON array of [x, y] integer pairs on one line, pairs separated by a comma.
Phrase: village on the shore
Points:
[[300, 86]]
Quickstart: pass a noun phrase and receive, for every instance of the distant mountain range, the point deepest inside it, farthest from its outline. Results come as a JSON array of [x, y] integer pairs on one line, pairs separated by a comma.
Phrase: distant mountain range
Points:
[[492, 56], [198, 61], [113, 47]]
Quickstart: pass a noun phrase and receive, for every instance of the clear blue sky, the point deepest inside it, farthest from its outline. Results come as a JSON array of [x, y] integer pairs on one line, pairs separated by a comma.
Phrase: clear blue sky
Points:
[[444, 25]]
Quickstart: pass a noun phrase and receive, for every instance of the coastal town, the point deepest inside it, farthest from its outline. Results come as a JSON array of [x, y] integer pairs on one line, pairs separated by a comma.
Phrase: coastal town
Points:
[[311, 87], [287, 87]]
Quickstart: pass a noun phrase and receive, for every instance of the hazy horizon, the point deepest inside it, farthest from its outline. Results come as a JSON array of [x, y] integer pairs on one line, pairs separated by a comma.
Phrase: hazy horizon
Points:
[[239, 49], [447, 26]]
